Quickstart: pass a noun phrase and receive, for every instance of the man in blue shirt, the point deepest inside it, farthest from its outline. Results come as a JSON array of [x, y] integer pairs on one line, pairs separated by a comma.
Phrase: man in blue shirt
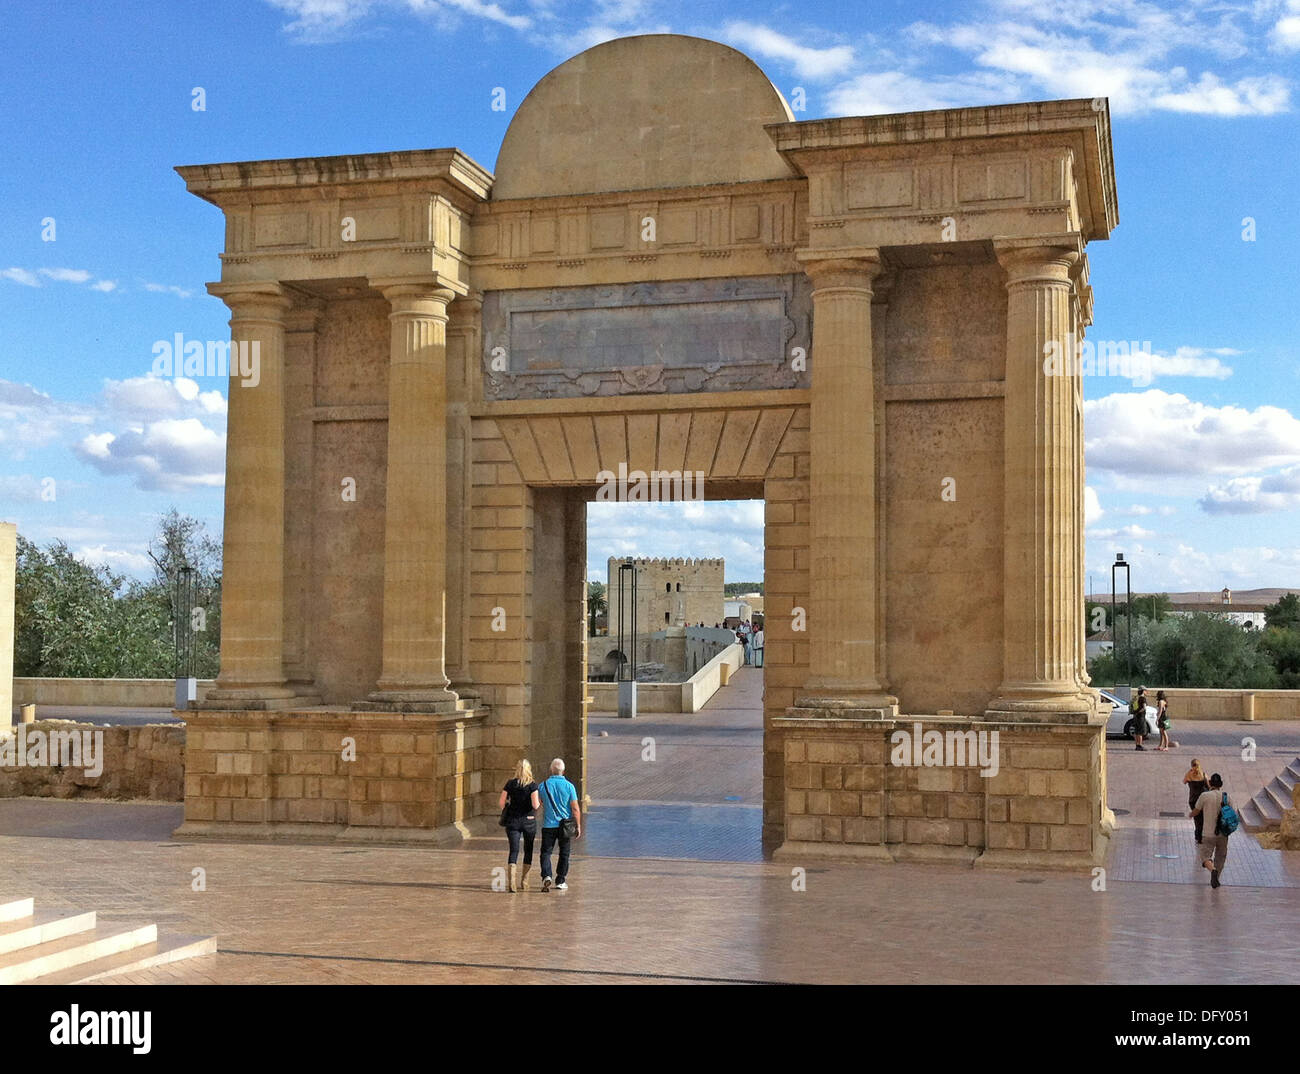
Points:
[[561, 823]]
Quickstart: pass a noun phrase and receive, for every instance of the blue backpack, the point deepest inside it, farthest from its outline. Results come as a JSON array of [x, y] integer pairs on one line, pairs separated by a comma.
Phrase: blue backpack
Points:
[[1228, 819]]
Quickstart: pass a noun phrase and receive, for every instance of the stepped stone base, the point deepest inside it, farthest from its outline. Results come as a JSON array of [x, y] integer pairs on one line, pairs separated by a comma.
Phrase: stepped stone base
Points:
[[1273, 815], [333, 775], [860, 789], [58, 947]]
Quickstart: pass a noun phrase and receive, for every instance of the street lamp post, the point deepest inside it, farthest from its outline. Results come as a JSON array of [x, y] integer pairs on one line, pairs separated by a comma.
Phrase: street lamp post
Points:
[[627, 666], [183, 637], [1128, 614]]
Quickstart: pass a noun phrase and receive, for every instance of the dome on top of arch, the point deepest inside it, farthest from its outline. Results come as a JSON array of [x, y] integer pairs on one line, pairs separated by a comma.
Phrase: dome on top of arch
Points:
[[635, 113]]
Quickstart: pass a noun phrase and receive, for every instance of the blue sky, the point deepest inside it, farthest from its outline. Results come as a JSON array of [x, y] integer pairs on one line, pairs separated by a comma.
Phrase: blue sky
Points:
[[1195, 475]]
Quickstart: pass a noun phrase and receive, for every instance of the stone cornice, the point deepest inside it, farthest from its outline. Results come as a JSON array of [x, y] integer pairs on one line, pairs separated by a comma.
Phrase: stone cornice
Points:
[[1080, 126], [240, 182]]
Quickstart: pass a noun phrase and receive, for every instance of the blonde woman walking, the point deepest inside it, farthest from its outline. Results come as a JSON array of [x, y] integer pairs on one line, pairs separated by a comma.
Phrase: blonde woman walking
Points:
[[519, 804]]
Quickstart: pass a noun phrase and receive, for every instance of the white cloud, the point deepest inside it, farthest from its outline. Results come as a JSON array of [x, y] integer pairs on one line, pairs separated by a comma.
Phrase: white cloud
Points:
[[1192, 362], [491, 12], [1254, 495], [320, 21], [28, 278], [65, 275], [170, 289], [1155, 432], [808, 62], [30, 419], [115, 558], [20, 488], [1131, 530], [885, 92], [168, 455], [1092, 509], [1121, 50], [1266, 95], [150, 397], [1286, 32], [167, 433]]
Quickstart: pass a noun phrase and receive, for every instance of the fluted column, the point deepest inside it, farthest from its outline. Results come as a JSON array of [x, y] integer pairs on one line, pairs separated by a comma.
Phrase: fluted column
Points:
[[1042, 613], [845, 668], [415, 527], [252, 579], [464, 385]]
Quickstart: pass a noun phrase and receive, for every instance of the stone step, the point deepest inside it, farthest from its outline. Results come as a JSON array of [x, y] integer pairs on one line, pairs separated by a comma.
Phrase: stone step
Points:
[[67, 952], [1280, 793], [1267, 807], [43, 926], [167, 948], [18, 908], [1251, 819]]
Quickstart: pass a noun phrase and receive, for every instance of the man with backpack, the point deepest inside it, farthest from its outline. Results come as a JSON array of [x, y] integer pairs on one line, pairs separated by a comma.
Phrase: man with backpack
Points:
[[561, 823], [1219, 817]]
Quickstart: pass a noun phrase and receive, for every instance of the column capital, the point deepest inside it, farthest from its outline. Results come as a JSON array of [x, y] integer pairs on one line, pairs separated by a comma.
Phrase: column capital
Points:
[[263, 299], [856, 269], [1048, 259], [420, 295], [305, 314]]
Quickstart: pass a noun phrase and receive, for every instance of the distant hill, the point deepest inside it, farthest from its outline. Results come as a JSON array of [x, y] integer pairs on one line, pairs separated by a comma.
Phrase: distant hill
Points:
[[1239, 596]]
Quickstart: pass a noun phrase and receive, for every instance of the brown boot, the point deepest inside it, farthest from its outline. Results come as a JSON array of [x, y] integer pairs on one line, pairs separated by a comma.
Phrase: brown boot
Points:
[[523, 878], [514, 871]]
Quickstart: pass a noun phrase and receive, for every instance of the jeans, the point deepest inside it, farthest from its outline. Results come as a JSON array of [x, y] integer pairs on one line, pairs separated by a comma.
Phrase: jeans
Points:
[[551, 836], [525, 831]]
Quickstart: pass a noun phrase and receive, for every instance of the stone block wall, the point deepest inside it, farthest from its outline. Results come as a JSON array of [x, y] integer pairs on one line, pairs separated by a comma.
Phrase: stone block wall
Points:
[[786, 570], [847, 798], [412, 777], [146, 762]]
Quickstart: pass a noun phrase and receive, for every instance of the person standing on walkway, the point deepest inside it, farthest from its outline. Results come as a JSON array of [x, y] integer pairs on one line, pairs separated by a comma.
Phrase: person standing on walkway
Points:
[[1162, 719], [1138, 707], [1214, 848], [561, 823], [758, 648], [519, 806], [1197, 784], [743, 638]]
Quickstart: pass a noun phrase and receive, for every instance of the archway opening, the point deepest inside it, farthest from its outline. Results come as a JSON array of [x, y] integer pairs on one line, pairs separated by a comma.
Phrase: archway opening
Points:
[[684, 777]]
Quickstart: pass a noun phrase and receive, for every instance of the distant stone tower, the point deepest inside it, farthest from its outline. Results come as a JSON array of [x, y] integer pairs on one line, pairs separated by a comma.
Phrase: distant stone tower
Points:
[[670, 592]]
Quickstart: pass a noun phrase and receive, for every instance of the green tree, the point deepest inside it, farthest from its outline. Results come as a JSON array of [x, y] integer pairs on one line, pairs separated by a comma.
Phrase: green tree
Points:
[[1285, 614], [1282, 646], [63, 613], [1207, 650], [79, 620], [183, 542], [597, 604]]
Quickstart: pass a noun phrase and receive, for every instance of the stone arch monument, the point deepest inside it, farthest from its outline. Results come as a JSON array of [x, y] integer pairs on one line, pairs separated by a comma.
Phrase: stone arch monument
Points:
[[846, 318]]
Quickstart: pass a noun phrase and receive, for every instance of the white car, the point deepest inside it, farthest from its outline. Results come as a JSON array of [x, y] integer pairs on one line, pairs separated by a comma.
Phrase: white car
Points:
[[1120, 723]]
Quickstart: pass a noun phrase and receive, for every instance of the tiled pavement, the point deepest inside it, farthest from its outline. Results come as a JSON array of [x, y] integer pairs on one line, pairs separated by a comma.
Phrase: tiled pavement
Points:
[[1154, 838], [326, 914], [699, 794]]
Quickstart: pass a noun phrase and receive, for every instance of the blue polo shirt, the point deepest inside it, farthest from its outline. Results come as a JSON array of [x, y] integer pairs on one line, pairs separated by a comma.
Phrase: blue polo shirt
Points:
[[556, 794]]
